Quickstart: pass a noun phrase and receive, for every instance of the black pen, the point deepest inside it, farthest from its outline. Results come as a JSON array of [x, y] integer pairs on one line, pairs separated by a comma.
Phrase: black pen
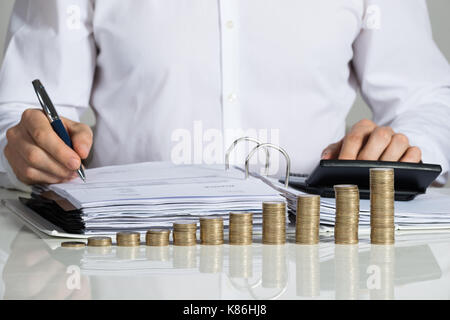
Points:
[[54, 119]]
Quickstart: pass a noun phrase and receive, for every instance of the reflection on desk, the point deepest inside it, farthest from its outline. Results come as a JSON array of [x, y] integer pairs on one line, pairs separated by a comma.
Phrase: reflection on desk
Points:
[[325, 271], [36, 267]]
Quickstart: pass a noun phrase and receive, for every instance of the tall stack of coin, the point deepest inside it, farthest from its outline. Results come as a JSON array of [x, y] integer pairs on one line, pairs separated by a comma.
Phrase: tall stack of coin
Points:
[[184, 233], [128, 239], [347, 214], [99, 241], [274, 222], [241, 228], [211, 230], [382, 230], [157, 237], [308, 219]]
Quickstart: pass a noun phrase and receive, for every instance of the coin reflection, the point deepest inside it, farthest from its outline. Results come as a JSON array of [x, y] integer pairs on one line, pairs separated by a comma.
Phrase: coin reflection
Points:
[[211, 258], [382, 270], [128, 253], [184, 256], [98, 251], [35, 271], [274, 268], [346, 271], [155, 253], [241, 261], [307, 270]]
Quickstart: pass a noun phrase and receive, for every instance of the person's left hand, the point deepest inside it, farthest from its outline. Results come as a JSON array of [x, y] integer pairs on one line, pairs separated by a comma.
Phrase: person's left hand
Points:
[[367, 141]]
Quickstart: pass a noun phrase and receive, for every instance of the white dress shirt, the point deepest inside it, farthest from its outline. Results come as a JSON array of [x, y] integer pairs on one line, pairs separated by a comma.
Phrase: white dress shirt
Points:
[[179, 80]]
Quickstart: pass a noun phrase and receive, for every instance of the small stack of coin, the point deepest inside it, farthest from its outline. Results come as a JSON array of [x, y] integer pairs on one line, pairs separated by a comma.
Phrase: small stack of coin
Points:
[[274, 222], [184, 233], [73, 244], [308, 219], [157, 237], [99, 242], [241, 228], [211, 230], [347, 214], [128, 239], [382, 230]]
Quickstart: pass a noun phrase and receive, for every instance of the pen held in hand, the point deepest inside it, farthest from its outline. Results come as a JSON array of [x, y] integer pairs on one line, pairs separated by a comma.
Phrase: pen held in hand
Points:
[[54, 119]]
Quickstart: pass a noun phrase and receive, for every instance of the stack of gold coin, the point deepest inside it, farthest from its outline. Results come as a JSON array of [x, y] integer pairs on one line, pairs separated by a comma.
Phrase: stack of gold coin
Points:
[[99, 242], [241, 228], [73, 244], [308, 219], [274, 222], [184, 233], [211, 230], [128, 239], [157, 237], [382, 230], [347, 214]]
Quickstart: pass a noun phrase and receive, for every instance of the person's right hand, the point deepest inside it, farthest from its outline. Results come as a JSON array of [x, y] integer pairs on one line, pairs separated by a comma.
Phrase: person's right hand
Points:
[[36, 153]]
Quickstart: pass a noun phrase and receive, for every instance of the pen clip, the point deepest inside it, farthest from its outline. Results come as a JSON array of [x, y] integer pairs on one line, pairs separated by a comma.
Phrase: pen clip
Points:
[[45, 101]]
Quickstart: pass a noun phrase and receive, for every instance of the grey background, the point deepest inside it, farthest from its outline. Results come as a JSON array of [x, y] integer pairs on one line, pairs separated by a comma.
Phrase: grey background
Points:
[[439, 11]]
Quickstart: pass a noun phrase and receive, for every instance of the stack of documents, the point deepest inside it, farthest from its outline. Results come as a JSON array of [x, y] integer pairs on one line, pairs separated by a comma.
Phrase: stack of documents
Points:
[[154, 194]]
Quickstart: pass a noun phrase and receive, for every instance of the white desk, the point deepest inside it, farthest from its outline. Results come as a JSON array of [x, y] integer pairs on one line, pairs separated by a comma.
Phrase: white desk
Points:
[[417, 267]]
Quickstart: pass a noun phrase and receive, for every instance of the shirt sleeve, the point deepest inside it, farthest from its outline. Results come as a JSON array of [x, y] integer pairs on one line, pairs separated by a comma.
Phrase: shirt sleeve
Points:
[[50, 40], [404, 77]]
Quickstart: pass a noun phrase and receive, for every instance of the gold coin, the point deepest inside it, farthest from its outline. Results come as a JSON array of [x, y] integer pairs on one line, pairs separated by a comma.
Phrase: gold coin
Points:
[[307, 219], [382, 197], [128, 239], [211, 230], [157, 237], [347, 214], [240, 228], [73, 244], [99, 241]]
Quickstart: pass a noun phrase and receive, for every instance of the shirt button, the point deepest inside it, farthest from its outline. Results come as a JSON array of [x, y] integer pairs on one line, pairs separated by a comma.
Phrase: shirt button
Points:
[[232, 97], [230, 24]]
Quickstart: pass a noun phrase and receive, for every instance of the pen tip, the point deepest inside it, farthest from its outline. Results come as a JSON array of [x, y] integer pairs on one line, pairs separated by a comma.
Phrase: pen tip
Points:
[[82, 175]]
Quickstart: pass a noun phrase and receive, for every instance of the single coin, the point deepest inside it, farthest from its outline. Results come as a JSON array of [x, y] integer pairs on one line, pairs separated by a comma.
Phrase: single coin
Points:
[[73, 244]]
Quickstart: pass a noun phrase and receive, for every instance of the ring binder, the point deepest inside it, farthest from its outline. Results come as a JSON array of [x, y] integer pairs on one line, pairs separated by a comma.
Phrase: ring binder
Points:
[[270, 145], [235, 142]]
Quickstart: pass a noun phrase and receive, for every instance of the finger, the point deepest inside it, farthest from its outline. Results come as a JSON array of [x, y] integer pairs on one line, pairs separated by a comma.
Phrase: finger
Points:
[[332, 151], [28, 174], [355, 139], [396, 149], [413, 154], [376, 144], [39, 159], [43, 135], [81, 136]]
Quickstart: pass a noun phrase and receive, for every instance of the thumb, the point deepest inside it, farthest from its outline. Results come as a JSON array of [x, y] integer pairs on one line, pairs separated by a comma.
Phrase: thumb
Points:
[[81, 136], [332, 151]]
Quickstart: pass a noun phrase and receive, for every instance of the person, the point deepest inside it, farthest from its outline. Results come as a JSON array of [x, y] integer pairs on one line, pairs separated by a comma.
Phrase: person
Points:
[[180, 80]]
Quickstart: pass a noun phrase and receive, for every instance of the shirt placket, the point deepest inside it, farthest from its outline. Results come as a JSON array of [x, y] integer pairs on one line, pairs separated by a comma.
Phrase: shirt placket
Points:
[[231, 104]]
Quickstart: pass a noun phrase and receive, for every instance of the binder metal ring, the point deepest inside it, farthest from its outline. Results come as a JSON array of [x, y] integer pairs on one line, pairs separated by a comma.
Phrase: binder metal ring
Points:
[[270, 145], [233, 145]]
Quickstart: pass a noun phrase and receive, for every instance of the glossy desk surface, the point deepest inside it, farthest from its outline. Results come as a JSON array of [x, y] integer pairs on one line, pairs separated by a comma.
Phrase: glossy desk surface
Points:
[[36, 267]]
